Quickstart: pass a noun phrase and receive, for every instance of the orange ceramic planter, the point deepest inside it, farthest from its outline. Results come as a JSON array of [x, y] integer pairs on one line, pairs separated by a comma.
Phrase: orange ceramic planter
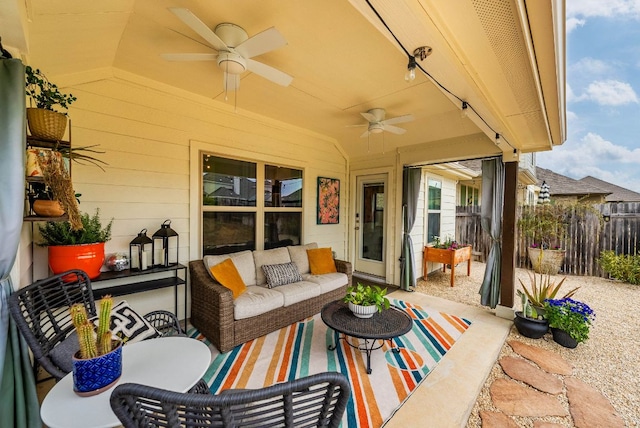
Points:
[[86, 257]]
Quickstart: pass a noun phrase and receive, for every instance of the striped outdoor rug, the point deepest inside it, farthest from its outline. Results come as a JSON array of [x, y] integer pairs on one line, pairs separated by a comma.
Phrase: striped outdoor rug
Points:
[[301, 349]]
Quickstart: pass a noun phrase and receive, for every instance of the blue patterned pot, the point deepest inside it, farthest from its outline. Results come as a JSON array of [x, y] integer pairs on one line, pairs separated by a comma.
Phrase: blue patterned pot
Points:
[[95, 375]]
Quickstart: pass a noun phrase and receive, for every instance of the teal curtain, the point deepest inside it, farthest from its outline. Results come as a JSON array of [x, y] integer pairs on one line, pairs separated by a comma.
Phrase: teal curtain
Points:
[[491, 221], [19, 402], [410, 193]]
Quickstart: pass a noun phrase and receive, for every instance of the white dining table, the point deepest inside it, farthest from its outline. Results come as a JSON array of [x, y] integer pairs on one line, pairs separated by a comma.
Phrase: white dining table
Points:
[[172, 363]]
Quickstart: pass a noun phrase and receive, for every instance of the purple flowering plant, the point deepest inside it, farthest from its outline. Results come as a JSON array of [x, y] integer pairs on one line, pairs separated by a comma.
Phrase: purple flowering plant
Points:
[[447, 244], [572, 316]]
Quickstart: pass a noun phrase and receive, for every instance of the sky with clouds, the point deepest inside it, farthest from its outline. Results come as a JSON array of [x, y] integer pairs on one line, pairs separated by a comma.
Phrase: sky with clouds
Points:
[[603, 94]]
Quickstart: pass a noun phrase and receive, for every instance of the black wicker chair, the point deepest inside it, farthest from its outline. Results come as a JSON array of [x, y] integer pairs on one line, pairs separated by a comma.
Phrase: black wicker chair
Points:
[[315, 401], [41, 312]]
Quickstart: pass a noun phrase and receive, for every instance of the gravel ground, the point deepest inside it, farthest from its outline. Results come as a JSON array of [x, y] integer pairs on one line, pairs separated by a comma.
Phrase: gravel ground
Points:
[[609, 360]]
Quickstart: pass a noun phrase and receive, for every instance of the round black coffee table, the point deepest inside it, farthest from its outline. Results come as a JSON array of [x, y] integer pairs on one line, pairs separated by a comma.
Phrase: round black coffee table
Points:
[[385, 325]]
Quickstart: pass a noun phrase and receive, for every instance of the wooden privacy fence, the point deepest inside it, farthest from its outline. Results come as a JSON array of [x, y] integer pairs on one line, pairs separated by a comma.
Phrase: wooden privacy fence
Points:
[[617, 229]]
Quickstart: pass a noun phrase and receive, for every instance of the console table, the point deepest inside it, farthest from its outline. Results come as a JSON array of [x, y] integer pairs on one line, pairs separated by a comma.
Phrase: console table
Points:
[[135, 281], [446, 257]]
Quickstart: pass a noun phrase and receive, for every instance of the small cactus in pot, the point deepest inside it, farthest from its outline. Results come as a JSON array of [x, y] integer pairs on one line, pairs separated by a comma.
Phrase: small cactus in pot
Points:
[[93, 343], [98, 364]]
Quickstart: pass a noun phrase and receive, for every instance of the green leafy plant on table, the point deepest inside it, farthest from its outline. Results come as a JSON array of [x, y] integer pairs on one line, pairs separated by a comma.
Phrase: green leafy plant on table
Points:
[[61, 233], [366, 295], [572, 316]]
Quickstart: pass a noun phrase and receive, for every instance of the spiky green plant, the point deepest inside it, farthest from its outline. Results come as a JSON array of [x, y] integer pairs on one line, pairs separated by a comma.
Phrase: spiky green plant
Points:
[[543, 289], [92, 343], [104, 318]]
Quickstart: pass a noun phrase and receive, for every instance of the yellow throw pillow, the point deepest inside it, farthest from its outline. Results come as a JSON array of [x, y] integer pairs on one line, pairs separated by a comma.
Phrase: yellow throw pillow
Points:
[[227, 275], [321, 261]]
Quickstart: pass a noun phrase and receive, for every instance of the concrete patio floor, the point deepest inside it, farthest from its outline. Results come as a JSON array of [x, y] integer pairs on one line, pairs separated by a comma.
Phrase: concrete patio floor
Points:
[[447, 396]]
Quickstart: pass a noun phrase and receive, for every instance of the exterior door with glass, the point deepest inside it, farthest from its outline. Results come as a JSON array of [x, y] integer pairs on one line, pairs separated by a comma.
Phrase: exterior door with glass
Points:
[[370, 224]]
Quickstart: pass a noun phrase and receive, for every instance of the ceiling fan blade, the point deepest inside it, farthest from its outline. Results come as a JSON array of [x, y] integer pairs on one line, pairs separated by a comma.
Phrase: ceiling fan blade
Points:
[[370, 117], [269, 73], [199, 27], [231, 82], [190, 57], [394, 129], [399, 119], [364, 134], [266, 41]]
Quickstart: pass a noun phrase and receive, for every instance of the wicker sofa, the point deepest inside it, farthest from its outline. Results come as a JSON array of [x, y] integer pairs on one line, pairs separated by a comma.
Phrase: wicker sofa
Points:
[[228, 322]]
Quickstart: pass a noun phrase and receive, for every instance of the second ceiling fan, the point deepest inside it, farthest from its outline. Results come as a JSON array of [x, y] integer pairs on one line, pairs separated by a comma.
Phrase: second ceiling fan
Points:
[[378, 123], [235, 50]]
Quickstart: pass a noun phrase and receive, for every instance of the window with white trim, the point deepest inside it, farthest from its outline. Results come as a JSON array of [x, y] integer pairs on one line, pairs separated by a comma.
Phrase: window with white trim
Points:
[[244, 203]]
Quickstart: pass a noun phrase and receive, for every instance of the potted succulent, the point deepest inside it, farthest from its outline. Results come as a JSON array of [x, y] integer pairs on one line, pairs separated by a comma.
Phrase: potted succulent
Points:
[[546, 227], [98, 363], [365, 300], [528, 321], [543, 289], [70, 248], [570, 320], [44, 121]]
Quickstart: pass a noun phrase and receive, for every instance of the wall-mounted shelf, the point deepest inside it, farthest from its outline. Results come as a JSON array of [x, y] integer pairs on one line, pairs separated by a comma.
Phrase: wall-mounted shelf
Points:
[[42, 143]]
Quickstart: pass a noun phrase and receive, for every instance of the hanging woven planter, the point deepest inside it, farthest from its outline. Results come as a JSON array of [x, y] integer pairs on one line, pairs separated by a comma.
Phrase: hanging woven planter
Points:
[[46, 124]]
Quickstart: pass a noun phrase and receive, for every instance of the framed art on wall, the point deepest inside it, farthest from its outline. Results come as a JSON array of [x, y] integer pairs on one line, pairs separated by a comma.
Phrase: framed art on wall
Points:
[[328, 201]]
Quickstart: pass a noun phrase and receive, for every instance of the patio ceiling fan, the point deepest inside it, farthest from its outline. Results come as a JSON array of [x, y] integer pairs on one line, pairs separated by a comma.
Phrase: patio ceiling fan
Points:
[[234, 50], [378, 124]]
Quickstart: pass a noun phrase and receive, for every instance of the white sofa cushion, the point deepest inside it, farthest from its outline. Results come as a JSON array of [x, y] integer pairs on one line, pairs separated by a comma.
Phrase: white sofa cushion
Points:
[[298, 254], [243, 261], [327, 281], [298, 292], [255, 301], [268, 257]]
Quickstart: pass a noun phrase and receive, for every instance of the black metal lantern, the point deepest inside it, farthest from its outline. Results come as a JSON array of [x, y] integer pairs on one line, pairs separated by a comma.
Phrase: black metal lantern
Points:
[[165, 246], [139, 250]]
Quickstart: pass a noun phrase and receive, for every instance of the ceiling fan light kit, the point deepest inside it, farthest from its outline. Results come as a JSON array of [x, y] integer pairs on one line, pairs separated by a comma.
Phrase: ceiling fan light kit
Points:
[[234, 50]]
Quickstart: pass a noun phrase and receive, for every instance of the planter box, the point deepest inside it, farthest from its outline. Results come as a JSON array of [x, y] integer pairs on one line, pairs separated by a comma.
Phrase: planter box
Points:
[[446, 257]]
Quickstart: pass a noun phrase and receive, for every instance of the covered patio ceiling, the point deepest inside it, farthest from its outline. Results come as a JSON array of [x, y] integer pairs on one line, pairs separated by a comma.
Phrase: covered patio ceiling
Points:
[[504, 57]]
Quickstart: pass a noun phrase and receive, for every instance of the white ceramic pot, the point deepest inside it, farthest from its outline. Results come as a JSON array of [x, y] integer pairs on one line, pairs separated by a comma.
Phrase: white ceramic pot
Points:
[[363, 311]]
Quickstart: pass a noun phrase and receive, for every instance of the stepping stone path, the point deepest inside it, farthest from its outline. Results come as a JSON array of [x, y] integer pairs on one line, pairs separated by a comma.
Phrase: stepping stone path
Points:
[[539, 378]]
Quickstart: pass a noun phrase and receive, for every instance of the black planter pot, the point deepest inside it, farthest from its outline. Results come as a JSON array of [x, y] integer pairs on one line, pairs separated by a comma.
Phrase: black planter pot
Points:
[[563, 338], [530, 327]]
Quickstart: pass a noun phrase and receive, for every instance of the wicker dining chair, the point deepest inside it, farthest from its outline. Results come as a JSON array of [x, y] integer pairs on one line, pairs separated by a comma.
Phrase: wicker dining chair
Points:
[[41, 313], [314, 401]]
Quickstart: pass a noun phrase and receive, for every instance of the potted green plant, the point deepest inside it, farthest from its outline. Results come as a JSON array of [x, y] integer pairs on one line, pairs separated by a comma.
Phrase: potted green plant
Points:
[[543, 289], [98, 363], [570, 320], [365, 300], [71, 248], [528, 322], [545, 226], [44, 121]]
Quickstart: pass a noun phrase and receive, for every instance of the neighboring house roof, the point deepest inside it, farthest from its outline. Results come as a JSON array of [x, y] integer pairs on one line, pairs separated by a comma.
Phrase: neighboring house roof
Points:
[[562, 185], [617, 193]]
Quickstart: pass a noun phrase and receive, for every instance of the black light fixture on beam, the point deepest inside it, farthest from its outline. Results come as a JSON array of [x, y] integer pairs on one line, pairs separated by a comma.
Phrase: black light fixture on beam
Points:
[[165, 246], [420, 53]]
